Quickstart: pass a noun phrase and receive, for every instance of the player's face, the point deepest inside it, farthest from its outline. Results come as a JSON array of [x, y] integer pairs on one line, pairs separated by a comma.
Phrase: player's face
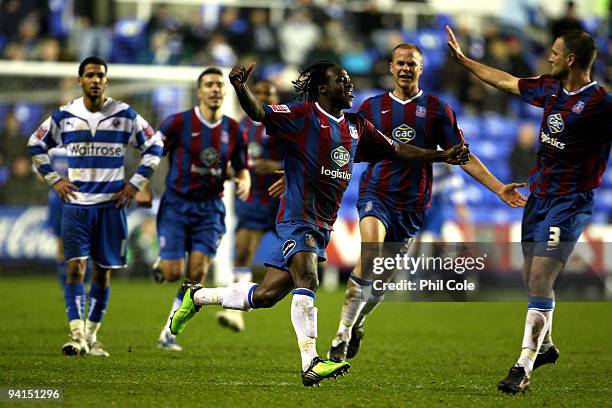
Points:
[[339, 88], [406, 67], [559, 67], [266, 92], [93, 81], [211, 91]]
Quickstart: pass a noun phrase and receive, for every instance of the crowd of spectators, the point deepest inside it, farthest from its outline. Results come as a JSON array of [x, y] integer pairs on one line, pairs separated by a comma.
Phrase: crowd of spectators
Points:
[[69, 30]]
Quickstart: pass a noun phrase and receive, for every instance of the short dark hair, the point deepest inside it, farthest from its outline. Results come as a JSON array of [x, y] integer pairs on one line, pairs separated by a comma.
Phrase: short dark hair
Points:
[[582, 45], [92, 60], [409, 46], [209, 70], [307, 85]]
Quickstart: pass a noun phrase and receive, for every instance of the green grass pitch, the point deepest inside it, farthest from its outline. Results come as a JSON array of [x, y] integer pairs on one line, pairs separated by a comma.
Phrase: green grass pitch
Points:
[[414, 354]]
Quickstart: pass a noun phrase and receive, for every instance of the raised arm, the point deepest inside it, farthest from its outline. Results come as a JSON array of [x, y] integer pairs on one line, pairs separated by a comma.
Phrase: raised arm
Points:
[[238, 77], [492, 76]]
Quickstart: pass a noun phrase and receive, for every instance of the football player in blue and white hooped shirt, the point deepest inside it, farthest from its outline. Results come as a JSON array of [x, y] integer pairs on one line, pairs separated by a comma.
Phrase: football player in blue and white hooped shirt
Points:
[[95, 130]]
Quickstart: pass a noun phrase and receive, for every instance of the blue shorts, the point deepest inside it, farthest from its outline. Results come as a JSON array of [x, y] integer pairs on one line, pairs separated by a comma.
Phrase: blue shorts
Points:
[[256, 216], [294, 237], [56, 205], [400, 225], [553, 225], [98, 232], [189, 225]]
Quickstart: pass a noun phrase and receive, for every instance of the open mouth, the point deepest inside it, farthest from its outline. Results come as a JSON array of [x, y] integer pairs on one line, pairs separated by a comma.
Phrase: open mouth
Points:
[[349, 94], [406, 77]]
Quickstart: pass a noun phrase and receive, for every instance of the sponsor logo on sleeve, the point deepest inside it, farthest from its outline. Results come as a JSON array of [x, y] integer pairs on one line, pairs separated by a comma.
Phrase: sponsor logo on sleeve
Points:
[[148, 131], [280, 108], [41, 131]]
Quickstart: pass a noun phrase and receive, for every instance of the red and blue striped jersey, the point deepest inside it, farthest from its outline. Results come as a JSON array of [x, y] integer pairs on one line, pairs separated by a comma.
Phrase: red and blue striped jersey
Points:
[[260, 147], [575, 136], [199, 152], [319, 154], [423, 121]]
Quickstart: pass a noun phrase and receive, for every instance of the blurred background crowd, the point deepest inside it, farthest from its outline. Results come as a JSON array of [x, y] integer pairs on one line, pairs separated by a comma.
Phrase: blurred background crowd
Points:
[[283, 36]]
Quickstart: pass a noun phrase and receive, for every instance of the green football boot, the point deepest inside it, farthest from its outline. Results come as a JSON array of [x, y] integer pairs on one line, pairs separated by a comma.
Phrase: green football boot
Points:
[[188, 308], [321, 369]]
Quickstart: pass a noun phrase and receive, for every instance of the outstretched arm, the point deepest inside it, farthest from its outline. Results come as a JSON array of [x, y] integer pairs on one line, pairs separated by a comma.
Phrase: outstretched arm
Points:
[[458, 154], [492, 76], [238, 77], [506, 192]]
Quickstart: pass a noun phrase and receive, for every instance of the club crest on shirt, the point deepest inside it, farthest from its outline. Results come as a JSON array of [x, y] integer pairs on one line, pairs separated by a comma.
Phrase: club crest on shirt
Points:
[[340, 156], [555, 123], [310, 241], [368, 206], [116, 123], [254, 150], [403, 133], [209, 156], [280, 108], [224, 137], [353, 131], [421, 111], [288, 246], [578, 107]]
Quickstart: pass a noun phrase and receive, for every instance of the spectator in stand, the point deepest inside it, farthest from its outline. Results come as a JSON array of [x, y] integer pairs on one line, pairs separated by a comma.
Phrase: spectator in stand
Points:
[[523, 153], [95, 34], [260, 37], [569, 21], [297, 35]]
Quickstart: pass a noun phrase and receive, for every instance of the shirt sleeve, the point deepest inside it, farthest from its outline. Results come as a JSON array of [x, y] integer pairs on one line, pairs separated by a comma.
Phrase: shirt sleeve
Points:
[[373, 146], [450, 134], [535, 90], [151, 147], [168, 132], [46, 137], [285, 121]]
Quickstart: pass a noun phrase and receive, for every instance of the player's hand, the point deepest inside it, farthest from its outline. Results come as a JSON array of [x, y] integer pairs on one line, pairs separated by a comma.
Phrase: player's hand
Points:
[[66, 190], [509, 195], [264, 167], [125, 197], [277, 189], [458, 154], [239, 75], [453, 45], [144, 198], [242, 188]]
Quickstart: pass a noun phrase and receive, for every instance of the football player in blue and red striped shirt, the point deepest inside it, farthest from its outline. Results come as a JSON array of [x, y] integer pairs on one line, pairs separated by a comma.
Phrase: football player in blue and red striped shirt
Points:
[[199, 143], [394, 195], [575, 138], [321, 143], [257, 214]]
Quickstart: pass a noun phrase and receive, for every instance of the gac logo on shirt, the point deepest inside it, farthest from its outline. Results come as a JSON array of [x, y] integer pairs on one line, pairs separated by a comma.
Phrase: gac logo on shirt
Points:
[[555, 123], [403, 133], [209, 156], [340, 156]]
